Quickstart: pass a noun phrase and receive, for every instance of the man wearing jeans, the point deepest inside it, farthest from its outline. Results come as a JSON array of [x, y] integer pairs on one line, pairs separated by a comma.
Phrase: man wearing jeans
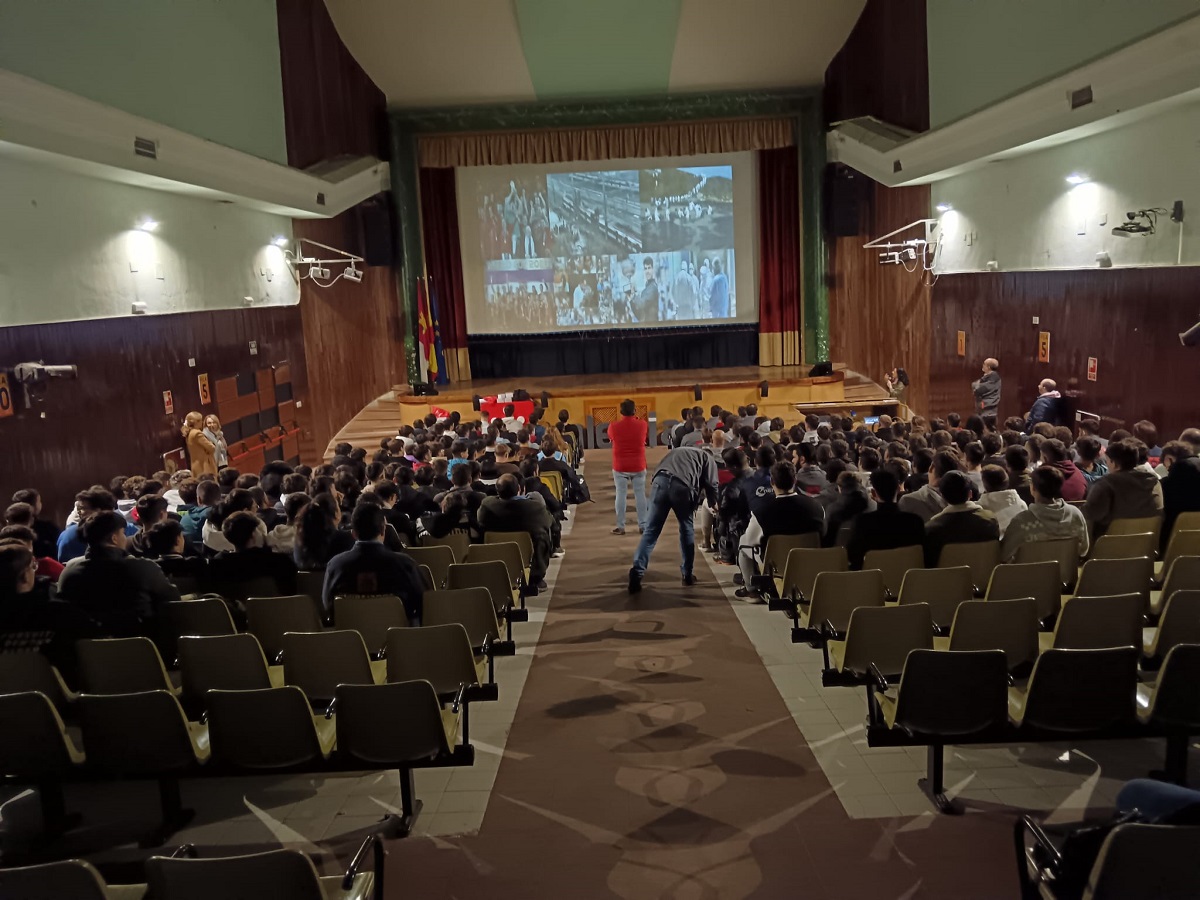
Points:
[[628, 438], [686, 477]]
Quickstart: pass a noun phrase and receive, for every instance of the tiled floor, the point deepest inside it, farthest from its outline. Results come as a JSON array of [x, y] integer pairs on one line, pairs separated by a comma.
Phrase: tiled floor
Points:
[[1066, 780], [306, 810]]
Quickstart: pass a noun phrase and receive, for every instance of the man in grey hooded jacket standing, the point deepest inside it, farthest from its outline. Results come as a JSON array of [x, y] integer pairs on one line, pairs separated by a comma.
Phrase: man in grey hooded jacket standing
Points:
[[987, 392]]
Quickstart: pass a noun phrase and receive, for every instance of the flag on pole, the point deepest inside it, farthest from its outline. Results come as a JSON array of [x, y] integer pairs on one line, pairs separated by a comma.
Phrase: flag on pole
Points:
[[429, 337]]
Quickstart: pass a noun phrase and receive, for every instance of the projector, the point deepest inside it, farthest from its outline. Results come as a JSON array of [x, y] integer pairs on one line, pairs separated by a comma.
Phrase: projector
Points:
[[1133, 226]]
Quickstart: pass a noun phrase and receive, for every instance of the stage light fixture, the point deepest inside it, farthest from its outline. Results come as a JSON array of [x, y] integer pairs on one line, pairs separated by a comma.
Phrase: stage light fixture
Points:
[[944, 207], [1077, 178], [697, 393], [147, 224], [763, 388], [1191, 337], [280, 240], [353, 274]]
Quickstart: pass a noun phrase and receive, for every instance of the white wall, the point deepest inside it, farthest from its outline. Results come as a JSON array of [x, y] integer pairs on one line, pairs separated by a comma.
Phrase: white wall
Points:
[[1023, 214], [69, 250]]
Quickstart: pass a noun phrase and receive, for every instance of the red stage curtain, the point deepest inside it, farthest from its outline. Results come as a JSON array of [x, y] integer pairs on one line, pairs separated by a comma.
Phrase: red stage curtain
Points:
[[779, 257], [443, 265]]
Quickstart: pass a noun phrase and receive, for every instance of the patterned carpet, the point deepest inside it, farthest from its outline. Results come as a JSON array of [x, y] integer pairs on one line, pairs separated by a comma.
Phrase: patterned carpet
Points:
[[652, 756]]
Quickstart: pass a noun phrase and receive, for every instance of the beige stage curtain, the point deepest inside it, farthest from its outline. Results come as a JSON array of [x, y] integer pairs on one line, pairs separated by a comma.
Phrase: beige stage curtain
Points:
[[458, 364], [506, 148], [779, 348]]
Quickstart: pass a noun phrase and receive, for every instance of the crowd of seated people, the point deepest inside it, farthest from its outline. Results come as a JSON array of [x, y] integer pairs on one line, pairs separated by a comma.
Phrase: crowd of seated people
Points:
[[930, 482], [137, 543]]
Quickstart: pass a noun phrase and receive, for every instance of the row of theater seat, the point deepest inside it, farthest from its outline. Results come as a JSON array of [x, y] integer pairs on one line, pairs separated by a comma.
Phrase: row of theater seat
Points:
[[955, 655], [237, 696]]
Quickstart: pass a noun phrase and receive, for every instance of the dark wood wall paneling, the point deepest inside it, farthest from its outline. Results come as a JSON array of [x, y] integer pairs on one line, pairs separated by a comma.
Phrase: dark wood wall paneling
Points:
[[111, 421], [879, 315], [1129, 319], [353, 333]]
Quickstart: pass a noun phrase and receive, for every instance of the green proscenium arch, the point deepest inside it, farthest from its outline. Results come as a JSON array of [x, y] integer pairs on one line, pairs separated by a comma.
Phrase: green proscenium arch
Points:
[[804, 106]]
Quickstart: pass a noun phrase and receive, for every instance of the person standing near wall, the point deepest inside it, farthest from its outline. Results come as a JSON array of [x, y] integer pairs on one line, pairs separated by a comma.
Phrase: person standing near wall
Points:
[[987, 392], [212, 431], [628, 437], [200, 449]]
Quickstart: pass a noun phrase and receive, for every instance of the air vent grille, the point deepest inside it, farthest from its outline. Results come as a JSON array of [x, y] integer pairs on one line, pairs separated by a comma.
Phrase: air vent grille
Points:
[[145, 147]]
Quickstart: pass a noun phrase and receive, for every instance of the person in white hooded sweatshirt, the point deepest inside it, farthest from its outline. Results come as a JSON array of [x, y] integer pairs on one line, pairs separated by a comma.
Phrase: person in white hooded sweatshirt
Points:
[[1049, 518], [998, 498]]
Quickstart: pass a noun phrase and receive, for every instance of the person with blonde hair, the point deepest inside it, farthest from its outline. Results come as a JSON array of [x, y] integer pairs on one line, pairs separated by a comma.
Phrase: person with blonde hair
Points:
[[201, 451], [212, 431]]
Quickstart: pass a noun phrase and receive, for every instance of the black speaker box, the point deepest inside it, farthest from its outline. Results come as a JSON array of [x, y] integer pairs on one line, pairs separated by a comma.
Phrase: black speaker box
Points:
[[377, 224], [845, 196], [821, 370]]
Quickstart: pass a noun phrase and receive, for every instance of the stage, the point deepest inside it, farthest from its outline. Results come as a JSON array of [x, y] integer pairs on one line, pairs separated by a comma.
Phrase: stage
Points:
[[592, 400]]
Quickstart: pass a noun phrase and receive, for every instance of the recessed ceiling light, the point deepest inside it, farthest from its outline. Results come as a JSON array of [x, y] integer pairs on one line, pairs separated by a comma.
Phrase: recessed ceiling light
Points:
[[1076, 178], [280, 240], [944, 207], [148, 224]]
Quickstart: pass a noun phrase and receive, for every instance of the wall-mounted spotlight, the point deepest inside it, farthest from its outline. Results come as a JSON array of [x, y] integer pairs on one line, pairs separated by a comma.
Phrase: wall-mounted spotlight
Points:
[[353, 274], [1077, 178], [147, 224], [280, 240], [944, 207]]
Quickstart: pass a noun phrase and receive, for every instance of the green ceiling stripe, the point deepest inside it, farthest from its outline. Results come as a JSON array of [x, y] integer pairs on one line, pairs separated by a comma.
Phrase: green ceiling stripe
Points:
[[581, 48]]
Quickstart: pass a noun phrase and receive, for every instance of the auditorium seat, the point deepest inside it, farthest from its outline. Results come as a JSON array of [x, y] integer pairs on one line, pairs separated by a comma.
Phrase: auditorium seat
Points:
[[1170, 705], [145, 735], [401, 725], [272, 728], [312, 584], [942, 697], [1109, 577], [804, 565], [1125, 546], [1039, 580], [457, 541], [775, 554], [317, 662], [880, 636], [76, 879], [1077, 691], [239, 591], [438, 559], [122, 666], [427, 580], [521, 538], [275, 873], [441, 655], [233, 662], [1007, 625], [204, 615], [1092, 623], [980, 556], [835, 596], [894, 564], [508, 553], [1185, 521], [472, 609], [1143, 525], [31, 671], [554, 481], [942, 589], [1184, 575], [269, 618], [36, 747], [1064, 551], [1183, 543], [494, 576], [1178, 624], [371, 615]]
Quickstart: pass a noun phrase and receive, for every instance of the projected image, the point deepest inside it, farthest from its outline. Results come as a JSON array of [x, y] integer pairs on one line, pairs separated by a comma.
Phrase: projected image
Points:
[[687, 207], [514, 218], [582, 293], [595, 212], [520, 294]]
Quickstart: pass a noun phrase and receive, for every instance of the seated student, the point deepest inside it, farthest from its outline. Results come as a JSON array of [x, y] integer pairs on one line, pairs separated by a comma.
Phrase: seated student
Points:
[[250, 558], [459, 451], [237, 500], [531, 478], [282, 538], [786, 512], [410, 500], [47, 567], [1126, 492], [45, 544], [886, 527], [318, 535], [1147, 432], [851, 502], [72, 543], [208, 495], [121, 592], [1055, 453], [998, 498], [1181, 484], [1089, 463], [973, 456], [572, 432], [993, 449], [388, 494], [758, 483], [150, 511], [961, 522], [1016, 459], [294, 483], [1048, 518], [573, 491], [166, 544], [810, 478], [927, 502], [264, 508], [369, 567], [514, 510], [458, 509], [922, 462]]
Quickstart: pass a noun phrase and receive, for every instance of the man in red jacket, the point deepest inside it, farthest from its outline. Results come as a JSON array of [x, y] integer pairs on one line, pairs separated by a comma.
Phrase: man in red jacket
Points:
[[628, 437]]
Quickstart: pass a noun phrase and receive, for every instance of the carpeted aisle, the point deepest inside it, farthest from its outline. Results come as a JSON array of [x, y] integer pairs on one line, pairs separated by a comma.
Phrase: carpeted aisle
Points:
[[653, 757]]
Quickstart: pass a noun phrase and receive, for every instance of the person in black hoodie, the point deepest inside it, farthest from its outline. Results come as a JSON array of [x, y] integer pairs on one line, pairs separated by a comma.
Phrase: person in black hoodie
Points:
[[1180, 486], [785, 512], [46, 532], [886, 527], [851, 502], [531, 476]]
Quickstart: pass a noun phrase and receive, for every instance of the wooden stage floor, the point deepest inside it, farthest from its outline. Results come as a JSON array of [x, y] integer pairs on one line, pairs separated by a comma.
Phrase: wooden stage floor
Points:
[[667, 391]]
